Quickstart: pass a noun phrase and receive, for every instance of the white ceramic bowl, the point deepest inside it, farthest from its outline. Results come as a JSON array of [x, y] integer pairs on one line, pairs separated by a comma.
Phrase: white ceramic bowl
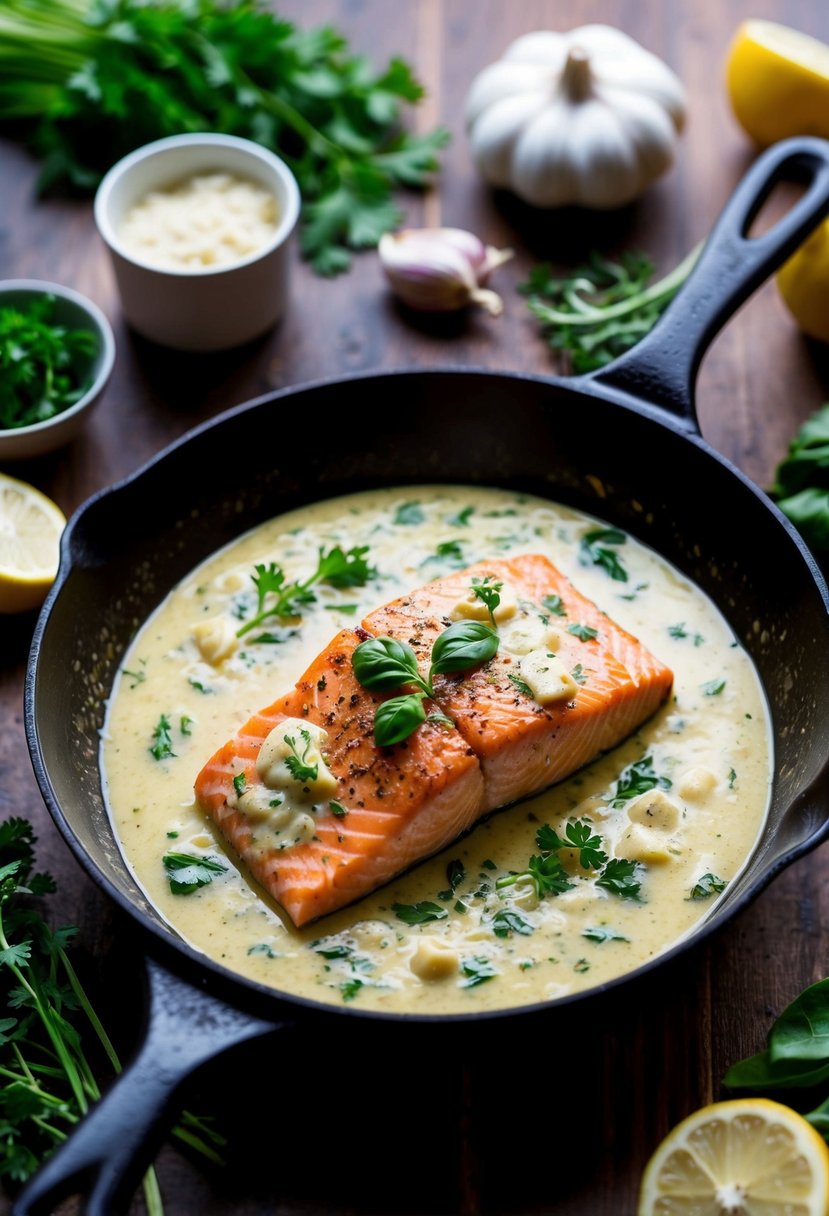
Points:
[[75, 312], [213, 308]]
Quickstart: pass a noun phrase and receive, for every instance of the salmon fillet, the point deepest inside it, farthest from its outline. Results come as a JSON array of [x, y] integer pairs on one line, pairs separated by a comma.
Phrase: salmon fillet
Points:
[[403, 803], [399, 805], [523, 747]]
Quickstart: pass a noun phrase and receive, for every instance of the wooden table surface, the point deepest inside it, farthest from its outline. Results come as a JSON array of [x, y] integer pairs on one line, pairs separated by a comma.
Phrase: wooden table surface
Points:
[[561, 1119]]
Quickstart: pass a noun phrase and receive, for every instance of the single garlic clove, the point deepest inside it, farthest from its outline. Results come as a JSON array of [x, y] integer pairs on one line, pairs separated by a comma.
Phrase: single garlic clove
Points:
[[440, 269]]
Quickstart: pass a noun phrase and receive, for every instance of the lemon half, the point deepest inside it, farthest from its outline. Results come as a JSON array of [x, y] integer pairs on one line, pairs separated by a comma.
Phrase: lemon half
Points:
[[30, 530], [778, 82], [748, 1157]]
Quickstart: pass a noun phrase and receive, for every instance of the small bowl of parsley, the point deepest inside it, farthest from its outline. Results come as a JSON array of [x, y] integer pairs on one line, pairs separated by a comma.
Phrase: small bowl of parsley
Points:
[[56, 356]]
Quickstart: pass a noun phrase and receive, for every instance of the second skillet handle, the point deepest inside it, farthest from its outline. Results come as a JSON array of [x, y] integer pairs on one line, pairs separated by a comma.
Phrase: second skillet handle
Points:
[[107, 1153], [662, 368]]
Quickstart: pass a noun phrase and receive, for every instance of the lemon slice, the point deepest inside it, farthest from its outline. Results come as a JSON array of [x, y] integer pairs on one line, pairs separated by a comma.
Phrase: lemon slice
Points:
[[778, 82], [749, 1157], [30, 530]]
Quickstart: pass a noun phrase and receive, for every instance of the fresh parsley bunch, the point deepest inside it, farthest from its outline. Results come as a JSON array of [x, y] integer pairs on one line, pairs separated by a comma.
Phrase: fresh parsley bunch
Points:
[[47, 1081], [802, 482], [97, 78]]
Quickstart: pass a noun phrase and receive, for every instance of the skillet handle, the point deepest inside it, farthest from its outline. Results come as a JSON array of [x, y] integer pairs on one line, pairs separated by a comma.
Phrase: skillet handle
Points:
[[109, 1151], [662, 368]]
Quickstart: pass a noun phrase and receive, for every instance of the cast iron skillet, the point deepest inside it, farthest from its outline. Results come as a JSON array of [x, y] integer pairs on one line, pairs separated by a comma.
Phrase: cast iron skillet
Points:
[[623, 444]]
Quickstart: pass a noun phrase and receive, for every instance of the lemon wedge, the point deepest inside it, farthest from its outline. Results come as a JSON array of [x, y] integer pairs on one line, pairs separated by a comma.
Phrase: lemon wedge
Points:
[[778, 82], [739, 1158], [30, 530]]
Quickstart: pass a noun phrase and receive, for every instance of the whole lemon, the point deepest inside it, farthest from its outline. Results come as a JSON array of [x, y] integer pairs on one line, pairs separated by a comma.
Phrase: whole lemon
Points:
[[778, 82], [804, 284]]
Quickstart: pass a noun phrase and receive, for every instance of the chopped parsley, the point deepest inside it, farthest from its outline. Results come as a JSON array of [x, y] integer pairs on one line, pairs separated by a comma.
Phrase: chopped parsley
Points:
[[296, 762], [184, 725], [708, 885], [488, 591], [636, 779], [461, 518], [455, 874], [619, 877], [337, 808], [350, 988], [585, 633], [593, 551], [578, 835], [521, 685], [419, 913], [603, 934], [554, 604], [579, 674], [477, 970], [408, 513], [186, 872], [240, 782], [162, 744], [509, 920], [137, 677], [713, 688]]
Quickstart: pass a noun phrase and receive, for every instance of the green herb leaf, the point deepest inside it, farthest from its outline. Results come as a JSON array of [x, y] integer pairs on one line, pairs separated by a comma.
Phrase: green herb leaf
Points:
[[636, 779], [593, 551], [579, 674], [337, 568], [382, 664], [801, 485], [713, 688], [509, 920], [419, 914], [603, 934], [707, 886], [162, 744], [488, 591], [477, 970], [239, 784], [619, 876], [350, 988], [463, 645], [337, 808], [461, 518], [408, 514], [397, 718], [184, 724], [585, 633], [296, 763], [521, 685], [545, 873], [187, 872], [578, 835], [554, 604]]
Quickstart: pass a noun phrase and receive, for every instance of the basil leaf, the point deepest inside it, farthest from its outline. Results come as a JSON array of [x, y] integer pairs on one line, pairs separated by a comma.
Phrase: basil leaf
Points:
[[464, 644], [397, 718], [761, 1072], [802, 1030], [383, 664]]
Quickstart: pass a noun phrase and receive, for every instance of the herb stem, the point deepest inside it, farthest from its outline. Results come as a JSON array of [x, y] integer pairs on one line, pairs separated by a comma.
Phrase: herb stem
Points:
[[94, 1020], [586, 314]]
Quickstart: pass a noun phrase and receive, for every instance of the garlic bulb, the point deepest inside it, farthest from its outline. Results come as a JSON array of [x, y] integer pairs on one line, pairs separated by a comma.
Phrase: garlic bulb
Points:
[[441, 269], [587, 117]]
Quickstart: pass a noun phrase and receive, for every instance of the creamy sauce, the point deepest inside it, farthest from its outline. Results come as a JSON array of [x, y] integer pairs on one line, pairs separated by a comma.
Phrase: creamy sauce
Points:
[[709, 747], [207, 220]]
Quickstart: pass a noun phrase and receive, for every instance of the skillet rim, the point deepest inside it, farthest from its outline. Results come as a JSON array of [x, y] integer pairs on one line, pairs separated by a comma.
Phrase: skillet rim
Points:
[[176, 953]]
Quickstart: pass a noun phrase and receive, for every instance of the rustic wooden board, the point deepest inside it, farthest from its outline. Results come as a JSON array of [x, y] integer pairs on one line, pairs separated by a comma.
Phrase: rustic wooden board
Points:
[[562, 1118]]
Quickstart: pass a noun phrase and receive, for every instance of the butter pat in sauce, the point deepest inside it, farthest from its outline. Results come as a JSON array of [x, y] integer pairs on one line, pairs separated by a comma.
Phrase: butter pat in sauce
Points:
[[204, 221]]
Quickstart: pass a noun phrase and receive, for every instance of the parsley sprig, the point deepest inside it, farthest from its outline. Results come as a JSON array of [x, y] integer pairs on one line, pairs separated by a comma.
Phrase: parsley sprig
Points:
[[278, 598], [48, 1080], [546, 874], [488, 590], [100, 79], [383, 664], [44, 367], [600, 310], [297, 763]]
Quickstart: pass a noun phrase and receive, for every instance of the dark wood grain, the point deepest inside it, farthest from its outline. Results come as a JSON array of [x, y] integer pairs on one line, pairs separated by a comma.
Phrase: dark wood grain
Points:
[[451, 1125]]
